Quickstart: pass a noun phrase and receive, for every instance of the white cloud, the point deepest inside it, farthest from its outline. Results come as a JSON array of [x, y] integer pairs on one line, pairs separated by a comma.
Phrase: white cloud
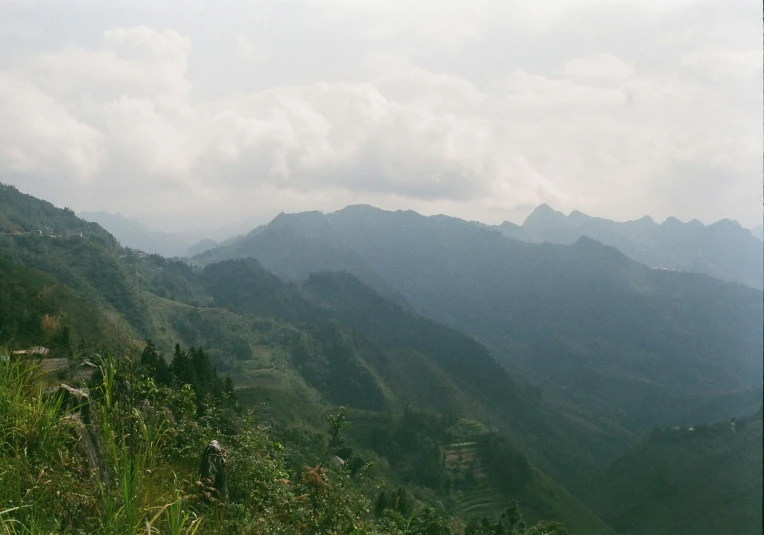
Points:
[[601, 67], [248, 50], [600, 129], [38, 135], [718, 62], [136, 61]]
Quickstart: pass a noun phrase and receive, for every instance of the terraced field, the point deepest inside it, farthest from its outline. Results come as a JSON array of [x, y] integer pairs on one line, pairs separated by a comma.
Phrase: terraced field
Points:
[[482, 499], [460, 456], [467, 430], [478, 496]]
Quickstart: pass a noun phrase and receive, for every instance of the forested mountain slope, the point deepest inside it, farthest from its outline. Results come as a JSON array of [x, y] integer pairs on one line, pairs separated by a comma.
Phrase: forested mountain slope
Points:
[[356, 347], [638, 346], [699, 480], [78, 254], [36, 309]]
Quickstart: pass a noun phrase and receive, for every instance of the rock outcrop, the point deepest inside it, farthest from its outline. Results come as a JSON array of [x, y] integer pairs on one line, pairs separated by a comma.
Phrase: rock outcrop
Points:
[[213, 472], [79, 411]]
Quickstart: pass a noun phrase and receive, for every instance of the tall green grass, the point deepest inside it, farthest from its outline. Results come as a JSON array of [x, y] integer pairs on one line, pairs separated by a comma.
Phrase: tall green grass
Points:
[[45, 484], [32, 438], [134, 440]]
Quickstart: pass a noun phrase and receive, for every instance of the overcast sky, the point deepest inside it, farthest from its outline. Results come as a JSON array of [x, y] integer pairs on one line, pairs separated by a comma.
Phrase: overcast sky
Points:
[[190, 113]]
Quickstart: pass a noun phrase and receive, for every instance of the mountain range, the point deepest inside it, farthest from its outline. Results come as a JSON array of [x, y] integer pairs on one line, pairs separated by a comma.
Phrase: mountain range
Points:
[[583, 320], [478, 368], [724, 249]]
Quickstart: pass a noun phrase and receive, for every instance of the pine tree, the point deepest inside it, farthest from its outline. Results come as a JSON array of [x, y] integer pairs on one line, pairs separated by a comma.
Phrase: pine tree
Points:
[[380, 504], [229, 392], [154, 364], [181, 367]]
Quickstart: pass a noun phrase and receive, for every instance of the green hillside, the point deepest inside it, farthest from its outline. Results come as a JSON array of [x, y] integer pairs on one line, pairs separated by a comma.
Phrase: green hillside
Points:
[[356, 348], [26, 215], [476, 471], [36, 309], [700, 480]]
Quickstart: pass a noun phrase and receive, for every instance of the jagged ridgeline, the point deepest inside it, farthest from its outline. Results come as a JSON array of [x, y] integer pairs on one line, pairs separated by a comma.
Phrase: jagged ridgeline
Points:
[[723, 249], [446, 425]]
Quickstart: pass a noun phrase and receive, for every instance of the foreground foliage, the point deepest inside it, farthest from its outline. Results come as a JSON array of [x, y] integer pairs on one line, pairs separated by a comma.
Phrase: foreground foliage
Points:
[[123, 458]]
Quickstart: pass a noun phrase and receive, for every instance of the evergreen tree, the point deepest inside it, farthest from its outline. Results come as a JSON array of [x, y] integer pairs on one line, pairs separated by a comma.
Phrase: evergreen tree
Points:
[[63, 341], [181, 367], [403, 502], [154, 364], [380, 504], [229, 393], [228, 388]]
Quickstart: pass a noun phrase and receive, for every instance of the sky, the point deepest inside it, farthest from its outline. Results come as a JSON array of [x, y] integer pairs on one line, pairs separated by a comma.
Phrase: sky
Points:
[[194, 114]]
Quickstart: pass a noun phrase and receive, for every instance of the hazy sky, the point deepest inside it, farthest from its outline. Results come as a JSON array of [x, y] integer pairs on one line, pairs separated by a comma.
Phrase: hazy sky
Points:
[[183, 112]]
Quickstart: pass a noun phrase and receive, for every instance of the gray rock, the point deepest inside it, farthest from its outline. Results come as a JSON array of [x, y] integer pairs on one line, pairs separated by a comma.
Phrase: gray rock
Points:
[[213, 471], [81, 413]]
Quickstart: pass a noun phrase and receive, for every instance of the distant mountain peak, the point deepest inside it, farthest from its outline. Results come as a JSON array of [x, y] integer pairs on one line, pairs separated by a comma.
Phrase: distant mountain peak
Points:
[[286, 219], [575, 214], [672, 221], [361, 207], [727, 223], [509, 225], [308, 213], [544, 208], [543, 214], [359, 210], [644, 220]]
